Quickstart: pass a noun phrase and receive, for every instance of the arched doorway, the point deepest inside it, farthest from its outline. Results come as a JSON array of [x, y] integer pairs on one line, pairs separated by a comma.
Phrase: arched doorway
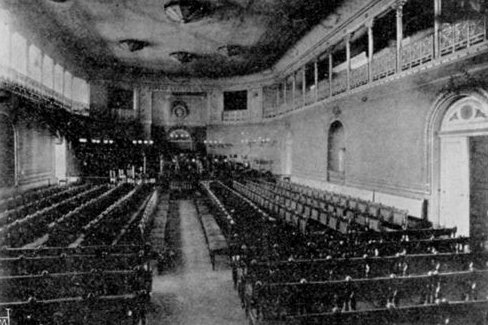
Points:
[[336, 152], [462, 165], [7, 152]]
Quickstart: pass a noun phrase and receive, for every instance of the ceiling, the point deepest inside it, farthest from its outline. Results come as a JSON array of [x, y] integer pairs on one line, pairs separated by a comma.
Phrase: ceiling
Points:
[[259, 33]]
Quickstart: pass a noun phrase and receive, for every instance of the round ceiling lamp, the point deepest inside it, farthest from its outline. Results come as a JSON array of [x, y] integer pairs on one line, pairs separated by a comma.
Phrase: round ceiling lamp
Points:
[[184, 11]]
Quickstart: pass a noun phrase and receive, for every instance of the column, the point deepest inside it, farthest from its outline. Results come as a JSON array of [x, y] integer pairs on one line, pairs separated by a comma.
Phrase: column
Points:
[[304, 85], [369, 25], [348, 60], [437, 14], [399, 32], [27, 58], [277, 103], [293, 91], [330, 74], [316, 80], [284, 93]]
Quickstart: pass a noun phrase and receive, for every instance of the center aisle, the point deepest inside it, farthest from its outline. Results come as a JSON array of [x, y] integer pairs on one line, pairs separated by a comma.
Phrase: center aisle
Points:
[[193, 294]]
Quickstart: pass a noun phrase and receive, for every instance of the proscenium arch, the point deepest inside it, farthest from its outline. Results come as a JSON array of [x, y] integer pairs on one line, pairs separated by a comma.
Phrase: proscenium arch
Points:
[[441, 107], [8, 160]]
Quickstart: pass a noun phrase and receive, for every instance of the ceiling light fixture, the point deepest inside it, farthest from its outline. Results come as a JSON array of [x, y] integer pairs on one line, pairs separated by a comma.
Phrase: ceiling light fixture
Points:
[[133, 45], [184, 11], [183, 57]]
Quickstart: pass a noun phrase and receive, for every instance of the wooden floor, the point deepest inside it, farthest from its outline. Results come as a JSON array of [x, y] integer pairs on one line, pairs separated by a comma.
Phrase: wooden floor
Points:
[[191, 293]]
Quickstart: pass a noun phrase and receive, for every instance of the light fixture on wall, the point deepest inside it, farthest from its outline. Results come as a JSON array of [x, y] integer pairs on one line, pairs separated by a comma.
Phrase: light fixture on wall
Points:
[[184, 11]]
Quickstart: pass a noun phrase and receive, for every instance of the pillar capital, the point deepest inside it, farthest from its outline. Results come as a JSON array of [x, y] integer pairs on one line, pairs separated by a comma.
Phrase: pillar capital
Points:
[[398, 5]]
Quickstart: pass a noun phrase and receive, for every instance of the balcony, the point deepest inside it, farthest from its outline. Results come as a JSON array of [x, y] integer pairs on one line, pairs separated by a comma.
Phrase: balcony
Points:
[[27, 87], [453, 41]]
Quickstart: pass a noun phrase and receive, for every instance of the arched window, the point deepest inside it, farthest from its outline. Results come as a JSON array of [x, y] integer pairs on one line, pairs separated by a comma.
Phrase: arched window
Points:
[[336, 152], [7, 152]]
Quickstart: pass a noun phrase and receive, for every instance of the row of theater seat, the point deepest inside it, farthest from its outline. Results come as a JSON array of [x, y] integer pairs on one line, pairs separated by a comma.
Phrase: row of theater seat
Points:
[[371, 214], [128, 309], [66, 230], [58, 194], [336, 269], [70, 261], [82, 285], [27, 229], [110, 225], [146, 221], [347, 220], [13, 199], [48, 286], [214, 234], [317, 299]]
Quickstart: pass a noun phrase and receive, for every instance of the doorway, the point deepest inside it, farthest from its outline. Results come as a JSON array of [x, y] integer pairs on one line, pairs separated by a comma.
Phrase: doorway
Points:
[[478, 185], [463, 167]]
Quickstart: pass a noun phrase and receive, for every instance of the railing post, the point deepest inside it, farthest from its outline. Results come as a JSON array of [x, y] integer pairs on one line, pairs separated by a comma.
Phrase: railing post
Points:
[[369, 25]]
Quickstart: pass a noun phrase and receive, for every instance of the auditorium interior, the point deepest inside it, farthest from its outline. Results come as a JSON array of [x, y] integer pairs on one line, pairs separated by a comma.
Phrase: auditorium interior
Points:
[[261, 162]]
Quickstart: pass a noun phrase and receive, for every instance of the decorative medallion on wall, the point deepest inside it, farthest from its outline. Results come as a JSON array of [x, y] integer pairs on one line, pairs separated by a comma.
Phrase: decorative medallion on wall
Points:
[[467, 113], [180, 109], [336, 110]]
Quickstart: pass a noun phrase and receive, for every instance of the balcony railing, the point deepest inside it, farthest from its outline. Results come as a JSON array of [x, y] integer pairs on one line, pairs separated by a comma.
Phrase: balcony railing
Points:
[[25, 85], [359, 76], [235, 116], [310, 97], [384, 63], [323, 89], [125, 114], [339, 83], [458, 36], [416, 51]]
